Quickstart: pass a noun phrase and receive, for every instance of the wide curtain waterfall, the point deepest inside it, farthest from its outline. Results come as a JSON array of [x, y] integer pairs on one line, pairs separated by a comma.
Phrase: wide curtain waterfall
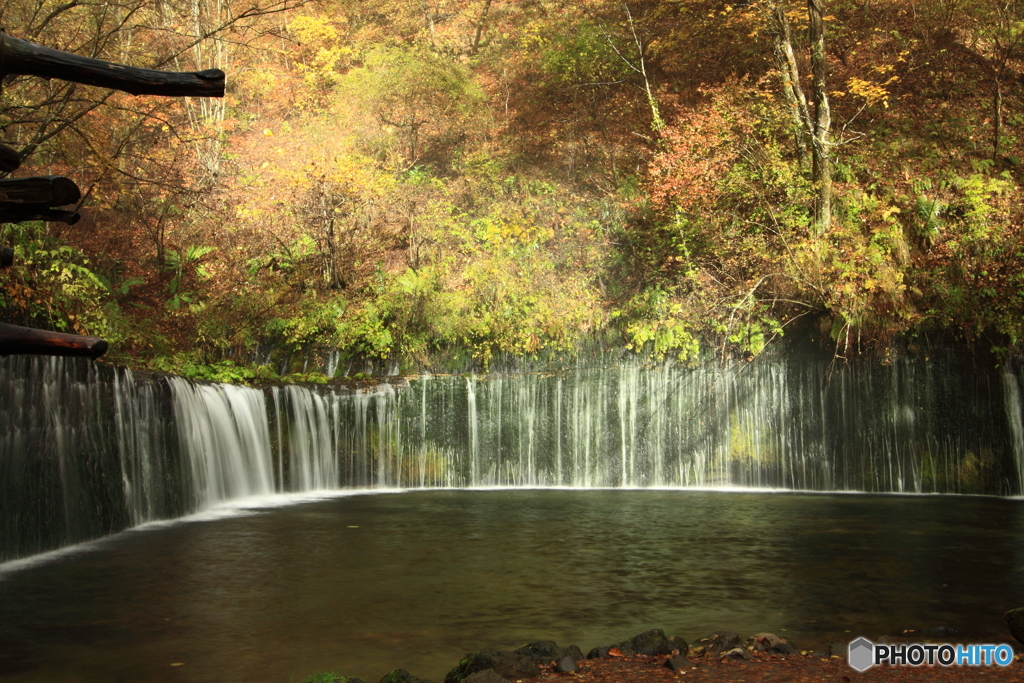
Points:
[[87, 449]]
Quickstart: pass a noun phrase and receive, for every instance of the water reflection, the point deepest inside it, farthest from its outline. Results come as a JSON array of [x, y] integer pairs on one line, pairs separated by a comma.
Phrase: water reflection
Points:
[[369, 583]]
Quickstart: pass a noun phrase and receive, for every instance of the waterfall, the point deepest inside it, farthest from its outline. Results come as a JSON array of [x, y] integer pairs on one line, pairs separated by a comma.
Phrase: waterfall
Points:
[[310, 442], [224, 433], [83, 452], [87, 449], [1015, 421]]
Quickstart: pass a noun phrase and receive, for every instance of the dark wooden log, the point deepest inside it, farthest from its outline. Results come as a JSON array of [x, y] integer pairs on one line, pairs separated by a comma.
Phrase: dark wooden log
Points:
[[27, 341], [10, 160], [6, 257], [28, 59], [51, 190], [13, 212]]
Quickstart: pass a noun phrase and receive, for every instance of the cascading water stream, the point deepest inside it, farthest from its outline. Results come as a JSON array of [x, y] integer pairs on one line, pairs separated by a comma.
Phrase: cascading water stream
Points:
[[1015, 421], [87, 449], [224, 434]]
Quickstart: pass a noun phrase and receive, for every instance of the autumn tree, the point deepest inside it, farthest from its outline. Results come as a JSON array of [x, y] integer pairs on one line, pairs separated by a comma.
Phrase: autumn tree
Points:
[[141, 161], [812, 122], [993, 37], [424, 103]]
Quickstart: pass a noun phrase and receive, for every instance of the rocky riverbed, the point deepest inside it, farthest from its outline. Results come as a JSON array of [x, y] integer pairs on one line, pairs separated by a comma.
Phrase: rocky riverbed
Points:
[[654, 657]]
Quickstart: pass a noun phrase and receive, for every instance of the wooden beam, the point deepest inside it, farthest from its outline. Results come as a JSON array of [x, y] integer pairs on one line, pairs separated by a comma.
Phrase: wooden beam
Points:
[[28, 341], [14, 212], [28, 59], [52, 190], [10, 160]]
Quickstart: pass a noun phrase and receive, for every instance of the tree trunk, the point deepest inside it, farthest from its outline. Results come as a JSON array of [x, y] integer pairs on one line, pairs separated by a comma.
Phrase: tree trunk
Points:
[[428, 16], [821, 142], [789, 72], [334, 255], [657, 123], [997, 118], [206, 114], [480, 27]]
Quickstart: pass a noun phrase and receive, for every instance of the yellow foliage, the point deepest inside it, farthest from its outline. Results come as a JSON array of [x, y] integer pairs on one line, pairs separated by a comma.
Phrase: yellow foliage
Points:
[[871, 93], [312, 30]]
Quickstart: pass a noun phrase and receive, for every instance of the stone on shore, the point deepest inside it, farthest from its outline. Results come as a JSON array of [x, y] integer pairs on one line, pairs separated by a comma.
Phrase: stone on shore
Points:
[[401, 676], [678, 663], [654, 642], [716, 643], [650, 643], [737, 654], [485, 676], [603, 651], [681, 645], [771, 643], [1015, 620], [541, 651], [548, 651], [510, 665], [566, 665]]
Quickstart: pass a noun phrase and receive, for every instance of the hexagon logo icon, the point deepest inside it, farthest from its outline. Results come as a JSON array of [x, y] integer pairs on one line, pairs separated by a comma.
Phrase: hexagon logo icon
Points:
[[861, 655]]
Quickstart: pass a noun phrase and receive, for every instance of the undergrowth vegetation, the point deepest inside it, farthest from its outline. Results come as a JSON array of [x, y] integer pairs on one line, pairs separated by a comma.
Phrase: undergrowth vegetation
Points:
[[494, 178]]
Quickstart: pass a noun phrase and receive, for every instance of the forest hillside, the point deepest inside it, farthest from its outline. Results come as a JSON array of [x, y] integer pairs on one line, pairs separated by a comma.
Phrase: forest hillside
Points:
[[404, 180]]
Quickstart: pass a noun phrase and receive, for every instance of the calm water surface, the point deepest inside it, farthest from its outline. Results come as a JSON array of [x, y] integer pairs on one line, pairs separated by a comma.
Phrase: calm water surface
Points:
[[365, 584]]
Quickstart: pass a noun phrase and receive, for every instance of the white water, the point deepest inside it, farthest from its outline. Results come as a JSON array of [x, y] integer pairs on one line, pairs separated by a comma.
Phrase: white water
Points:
[[1015, 420], [224, 434], [87, 449]]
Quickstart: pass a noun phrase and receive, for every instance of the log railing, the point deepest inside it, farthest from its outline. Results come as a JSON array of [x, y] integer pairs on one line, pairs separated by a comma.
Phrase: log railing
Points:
[[39, 198]]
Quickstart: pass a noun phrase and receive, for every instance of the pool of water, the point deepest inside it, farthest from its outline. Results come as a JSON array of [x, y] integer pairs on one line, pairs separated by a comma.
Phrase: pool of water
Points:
[[365, 584]]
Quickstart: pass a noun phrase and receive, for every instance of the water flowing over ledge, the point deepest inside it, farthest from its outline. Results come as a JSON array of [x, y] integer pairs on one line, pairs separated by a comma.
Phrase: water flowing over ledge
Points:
[[88, 449]]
